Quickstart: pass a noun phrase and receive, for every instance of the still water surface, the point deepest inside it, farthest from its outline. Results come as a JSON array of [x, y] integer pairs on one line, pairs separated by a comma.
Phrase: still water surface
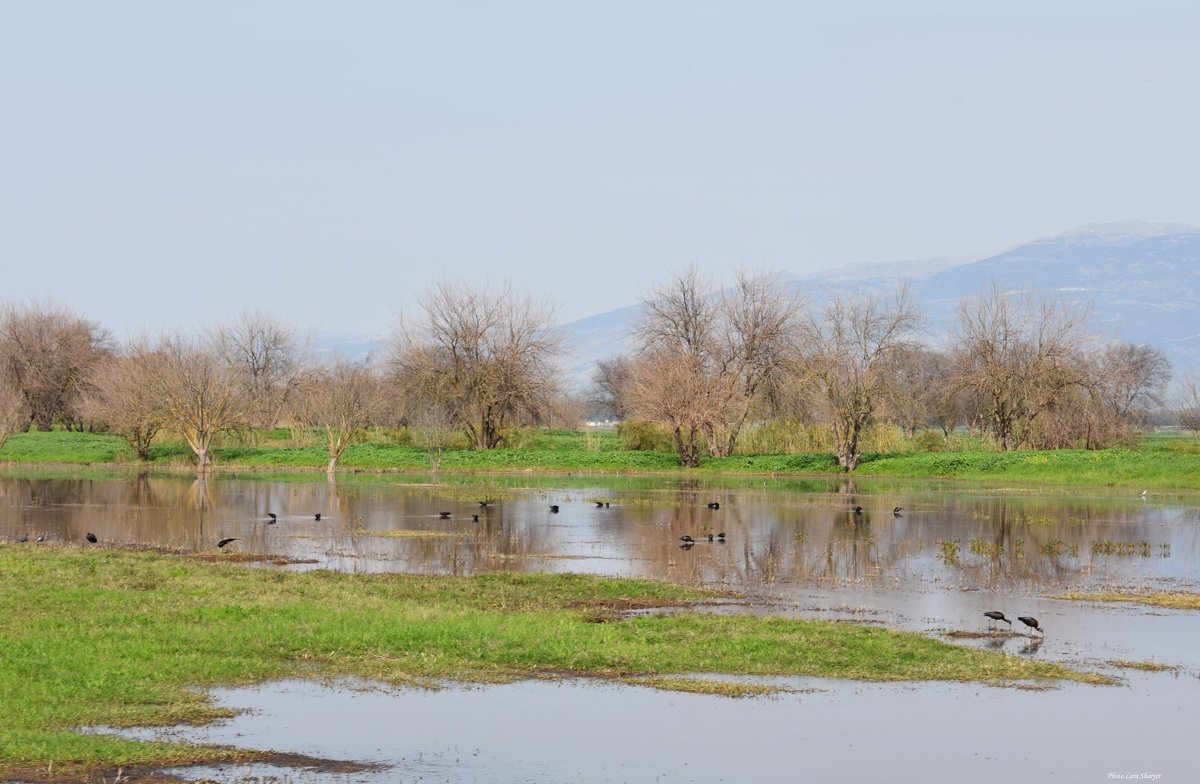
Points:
[[794, 547]]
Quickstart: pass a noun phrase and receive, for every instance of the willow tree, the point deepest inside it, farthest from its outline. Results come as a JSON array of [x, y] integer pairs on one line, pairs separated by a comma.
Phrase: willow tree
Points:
[[718, 348], [47, 353], [852, 348], [198, 394], [341, 399], [267, 354], [1019, 354], [123, 397], [14, 414], [484, 357]]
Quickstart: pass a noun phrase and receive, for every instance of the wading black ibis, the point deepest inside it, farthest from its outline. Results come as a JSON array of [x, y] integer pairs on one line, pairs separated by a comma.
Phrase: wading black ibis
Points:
[[687, 539], [444, 515], [714, 505], [317, 517], [91, 537], [554, 508], [272, 517], [896, 511], [1031, 622], [224, 542], [996, 615]]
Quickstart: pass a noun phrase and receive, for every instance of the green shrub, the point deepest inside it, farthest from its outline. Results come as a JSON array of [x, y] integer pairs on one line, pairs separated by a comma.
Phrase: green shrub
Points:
[[642, 436]]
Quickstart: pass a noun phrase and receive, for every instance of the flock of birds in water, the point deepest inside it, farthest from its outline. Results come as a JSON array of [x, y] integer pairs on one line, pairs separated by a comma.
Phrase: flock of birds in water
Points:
[[994, 616]]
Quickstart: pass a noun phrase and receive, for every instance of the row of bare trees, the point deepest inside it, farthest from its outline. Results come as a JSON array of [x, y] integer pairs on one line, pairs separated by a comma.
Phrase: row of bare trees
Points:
[[709, 364], [1022, 367]]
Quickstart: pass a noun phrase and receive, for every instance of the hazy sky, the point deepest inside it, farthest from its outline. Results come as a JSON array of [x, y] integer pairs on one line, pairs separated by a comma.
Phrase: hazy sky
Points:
[[165, 164]]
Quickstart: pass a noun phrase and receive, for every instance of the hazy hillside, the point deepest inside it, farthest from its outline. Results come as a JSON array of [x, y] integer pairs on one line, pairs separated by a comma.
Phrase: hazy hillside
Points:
[[1141, 280]]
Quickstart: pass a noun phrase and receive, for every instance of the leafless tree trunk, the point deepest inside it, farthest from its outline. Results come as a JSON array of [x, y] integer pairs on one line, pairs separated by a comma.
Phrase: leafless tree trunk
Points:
[[341, 399], [733, 343], [47, 353], [267, 354], [853, 348], [484, 356], [123, 399], [1018, 353], [199, 395]]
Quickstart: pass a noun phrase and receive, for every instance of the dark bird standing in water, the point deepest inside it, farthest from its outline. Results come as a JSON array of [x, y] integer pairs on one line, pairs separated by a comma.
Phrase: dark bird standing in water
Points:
[[898, 510], [996, 615], [858, 510], [224, 542], [273, 518], [714, 505], [483, 502], [475, 518], [91, 537], [444, 515], [317, 516], [1031, 622], [599, 504], [554, 508], [710, 537], [721, 536], [687, 539]]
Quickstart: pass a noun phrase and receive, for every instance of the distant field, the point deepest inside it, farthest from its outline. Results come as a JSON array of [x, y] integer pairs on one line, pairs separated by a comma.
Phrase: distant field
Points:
[[1158, 462]]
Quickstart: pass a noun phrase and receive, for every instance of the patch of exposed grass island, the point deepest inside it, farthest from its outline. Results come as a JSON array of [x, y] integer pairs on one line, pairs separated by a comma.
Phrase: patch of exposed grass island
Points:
[[105, 637], [1175, 601]]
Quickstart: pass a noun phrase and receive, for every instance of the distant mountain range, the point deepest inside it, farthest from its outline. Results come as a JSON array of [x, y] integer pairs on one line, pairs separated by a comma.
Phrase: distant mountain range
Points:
[[1141, 280]]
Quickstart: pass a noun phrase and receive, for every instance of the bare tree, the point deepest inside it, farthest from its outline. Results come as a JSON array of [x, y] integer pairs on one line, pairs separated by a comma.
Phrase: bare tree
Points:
[[484, 356], [732, 343], [609, 383], [853, 348], [341, 399], [47, 353], [666, 387], [1018, 354], [1189, 404], [267, 353], [14, 413], [1130, 379], [199, 395], [123, 397]]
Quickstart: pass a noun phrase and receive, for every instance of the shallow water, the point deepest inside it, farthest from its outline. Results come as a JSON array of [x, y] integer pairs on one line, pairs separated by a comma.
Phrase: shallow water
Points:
[[793, 546]]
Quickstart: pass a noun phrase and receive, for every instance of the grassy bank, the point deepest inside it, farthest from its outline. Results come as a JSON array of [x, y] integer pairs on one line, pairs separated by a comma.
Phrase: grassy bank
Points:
[[1156, 463], [108, 637]]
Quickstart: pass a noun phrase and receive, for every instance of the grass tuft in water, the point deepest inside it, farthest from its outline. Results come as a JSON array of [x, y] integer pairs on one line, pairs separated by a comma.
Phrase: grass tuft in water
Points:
[[1176, 601]]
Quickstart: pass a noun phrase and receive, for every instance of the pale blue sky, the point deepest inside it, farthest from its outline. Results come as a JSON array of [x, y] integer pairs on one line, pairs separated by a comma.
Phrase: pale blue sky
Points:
[[166, 164]]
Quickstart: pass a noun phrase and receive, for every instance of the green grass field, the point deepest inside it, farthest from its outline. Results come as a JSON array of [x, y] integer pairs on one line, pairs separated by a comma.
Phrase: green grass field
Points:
[[111, 637], [1160, 463]]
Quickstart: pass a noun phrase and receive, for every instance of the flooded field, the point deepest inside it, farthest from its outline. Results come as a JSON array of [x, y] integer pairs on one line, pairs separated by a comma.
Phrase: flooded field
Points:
[[793, 547]]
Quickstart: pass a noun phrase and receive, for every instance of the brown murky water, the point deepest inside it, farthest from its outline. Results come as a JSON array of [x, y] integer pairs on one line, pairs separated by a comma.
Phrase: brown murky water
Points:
[[795, 547]]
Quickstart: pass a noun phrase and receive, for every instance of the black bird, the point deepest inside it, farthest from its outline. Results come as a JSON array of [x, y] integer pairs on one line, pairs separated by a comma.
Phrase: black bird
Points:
[[224, 542], [317, 516], [483, 503], [444, 515], [1030, 622], [896, 511], [554, 508], [91, 537], [41, 538], [24, 538], [713, 505], [475, 518], [606, 504], [599, 504], [687, 539], [721, 536], [710, 537], [996, 615], [858, 510], [273, 518]]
